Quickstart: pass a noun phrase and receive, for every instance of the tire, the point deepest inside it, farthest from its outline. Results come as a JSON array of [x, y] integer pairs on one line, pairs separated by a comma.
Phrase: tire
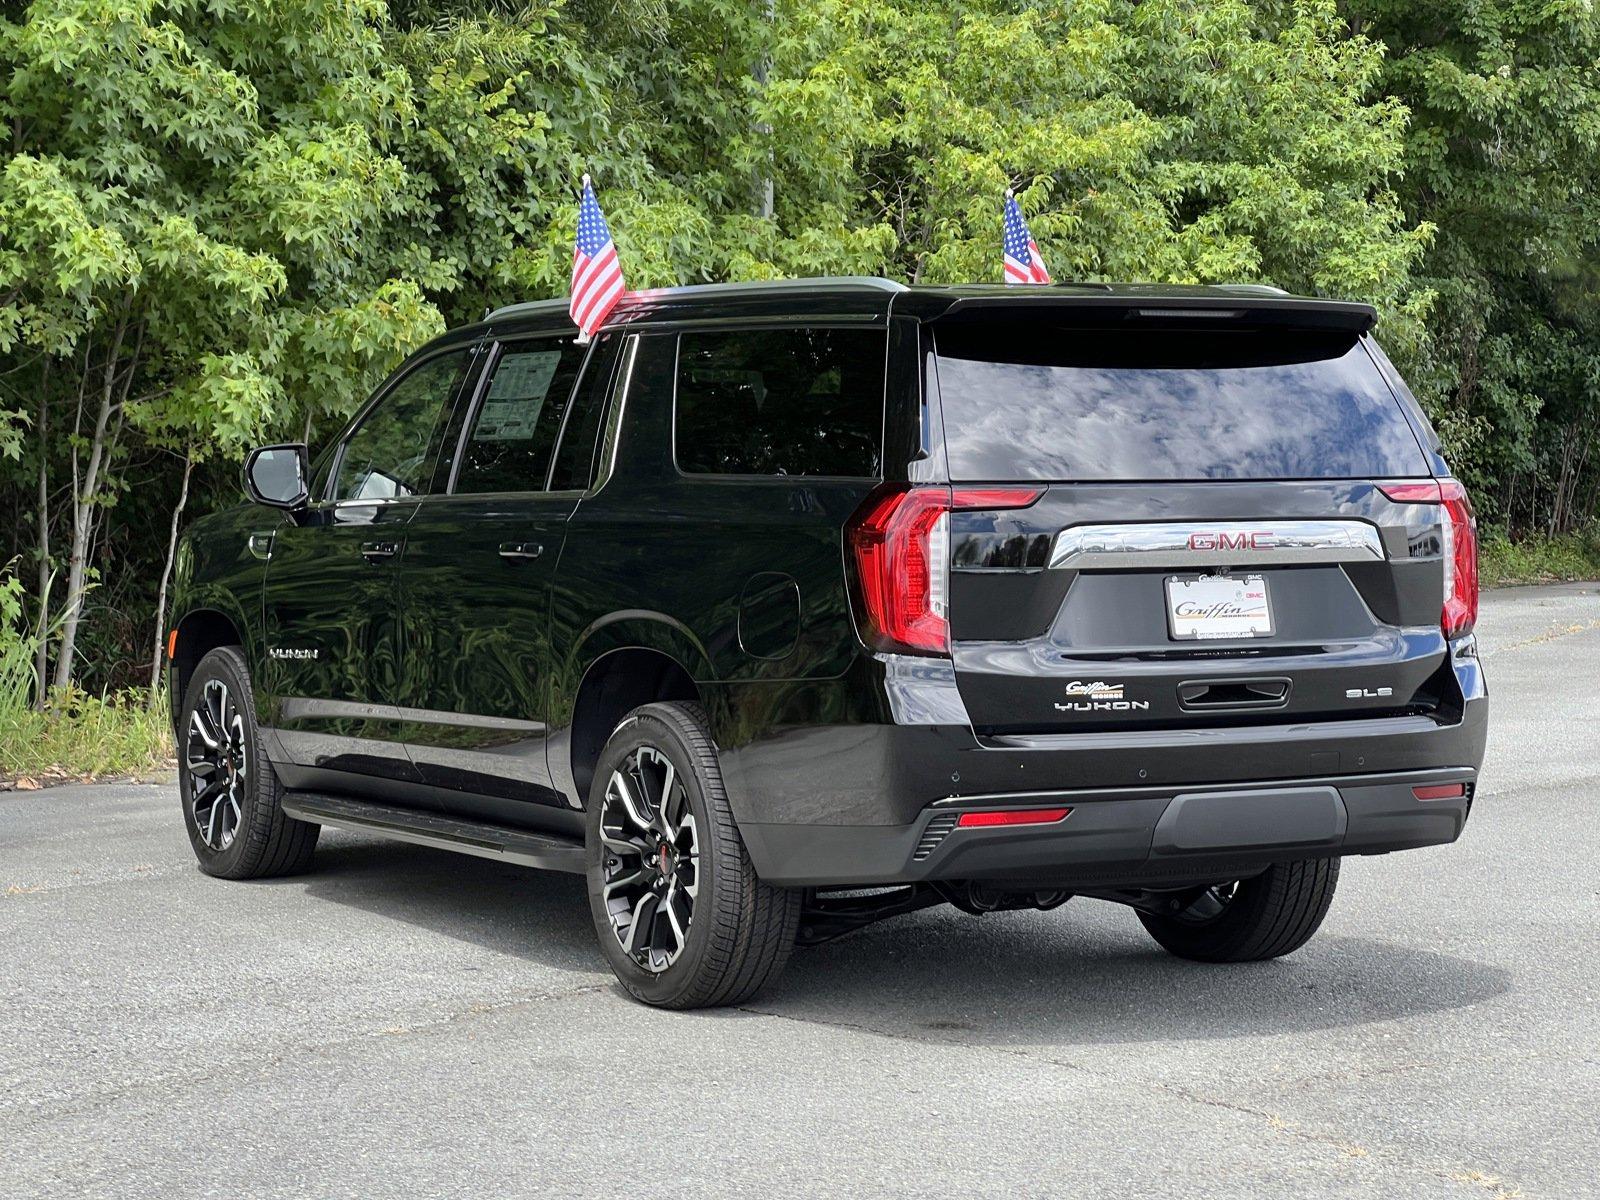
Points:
[[714, 934], [232, 800], [1266, 917]]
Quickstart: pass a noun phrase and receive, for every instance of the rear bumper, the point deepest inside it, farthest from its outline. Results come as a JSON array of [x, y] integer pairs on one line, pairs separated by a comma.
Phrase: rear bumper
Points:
[[849, 791], [1126, 837]]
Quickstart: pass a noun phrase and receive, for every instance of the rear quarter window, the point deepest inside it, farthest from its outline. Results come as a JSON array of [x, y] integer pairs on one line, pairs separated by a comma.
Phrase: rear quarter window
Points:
[[780, 402], [1032, 400]]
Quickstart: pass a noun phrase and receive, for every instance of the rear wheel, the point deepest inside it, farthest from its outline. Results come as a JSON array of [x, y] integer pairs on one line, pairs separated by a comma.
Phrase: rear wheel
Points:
[[231, 795], [1253, 919], [680, 913]]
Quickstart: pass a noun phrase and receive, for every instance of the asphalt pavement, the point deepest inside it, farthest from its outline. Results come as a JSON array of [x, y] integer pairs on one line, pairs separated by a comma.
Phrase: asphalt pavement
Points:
[[408, 1022]]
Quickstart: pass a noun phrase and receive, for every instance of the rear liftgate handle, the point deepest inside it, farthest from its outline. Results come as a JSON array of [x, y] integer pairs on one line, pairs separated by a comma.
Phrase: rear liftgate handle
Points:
[[516, 551]]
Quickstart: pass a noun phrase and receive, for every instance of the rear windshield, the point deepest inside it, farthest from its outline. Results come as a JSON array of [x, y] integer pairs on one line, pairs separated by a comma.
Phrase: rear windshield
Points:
[[1030, 400]]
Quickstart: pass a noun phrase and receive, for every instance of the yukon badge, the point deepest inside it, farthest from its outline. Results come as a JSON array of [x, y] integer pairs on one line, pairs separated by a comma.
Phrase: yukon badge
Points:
[[300, 653], [1099, 696]]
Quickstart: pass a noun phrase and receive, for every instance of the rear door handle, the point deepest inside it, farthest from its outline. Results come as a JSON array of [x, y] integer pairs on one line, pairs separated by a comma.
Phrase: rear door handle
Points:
[[516, 550], [373, 551]]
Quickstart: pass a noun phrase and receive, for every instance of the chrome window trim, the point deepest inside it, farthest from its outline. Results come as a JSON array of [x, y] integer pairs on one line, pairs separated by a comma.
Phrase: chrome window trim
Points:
[[1229, 543]]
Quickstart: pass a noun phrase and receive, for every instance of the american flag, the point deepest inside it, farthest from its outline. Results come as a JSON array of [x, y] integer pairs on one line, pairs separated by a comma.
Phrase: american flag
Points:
[[1024, 263], [596, 274]]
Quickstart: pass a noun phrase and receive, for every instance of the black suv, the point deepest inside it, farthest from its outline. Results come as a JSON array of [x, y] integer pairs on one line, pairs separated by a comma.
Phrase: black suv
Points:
[[781, 608]]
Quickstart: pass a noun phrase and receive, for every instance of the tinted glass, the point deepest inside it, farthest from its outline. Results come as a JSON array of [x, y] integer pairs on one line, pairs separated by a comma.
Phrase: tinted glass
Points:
[[1031, 401], [574, 469], [393, 451], [780, 402], [515, 428]]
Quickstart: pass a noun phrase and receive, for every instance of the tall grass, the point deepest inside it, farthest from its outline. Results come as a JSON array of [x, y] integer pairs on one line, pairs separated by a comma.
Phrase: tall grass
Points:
[[76, 735], [1574, 555]]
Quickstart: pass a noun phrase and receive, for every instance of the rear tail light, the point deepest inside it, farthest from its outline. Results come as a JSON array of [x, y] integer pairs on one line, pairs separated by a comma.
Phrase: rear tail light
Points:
[[1460, 611], [899, 543], [1460, 560], [994, 497]]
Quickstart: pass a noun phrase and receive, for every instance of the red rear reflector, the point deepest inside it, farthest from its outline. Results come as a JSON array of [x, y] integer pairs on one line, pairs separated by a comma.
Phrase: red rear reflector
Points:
[[994, 497], [172, 645], [1015, 816], [1440, 791]]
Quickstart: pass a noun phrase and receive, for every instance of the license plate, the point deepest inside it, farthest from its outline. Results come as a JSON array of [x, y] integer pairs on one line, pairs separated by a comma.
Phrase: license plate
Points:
[[1218, 606]]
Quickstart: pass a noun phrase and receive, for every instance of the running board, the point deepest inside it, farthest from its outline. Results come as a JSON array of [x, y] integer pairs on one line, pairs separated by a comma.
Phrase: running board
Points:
[[548, 851]]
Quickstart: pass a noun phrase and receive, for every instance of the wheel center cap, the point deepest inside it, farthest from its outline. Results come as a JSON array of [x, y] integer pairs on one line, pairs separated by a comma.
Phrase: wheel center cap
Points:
[[664, 860]]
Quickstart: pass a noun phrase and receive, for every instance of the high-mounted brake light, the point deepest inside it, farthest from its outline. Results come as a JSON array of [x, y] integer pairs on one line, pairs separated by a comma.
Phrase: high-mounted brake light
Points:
[[1014, 816], [1460, 611], [899, 544]]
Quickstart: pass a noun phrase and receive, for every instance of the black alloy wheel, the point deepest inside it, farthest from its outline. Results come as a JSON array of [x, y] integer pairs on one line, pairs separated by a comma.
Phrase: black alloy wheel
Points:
[[650, 859], [232, 799], [682, 917], [217, 766]]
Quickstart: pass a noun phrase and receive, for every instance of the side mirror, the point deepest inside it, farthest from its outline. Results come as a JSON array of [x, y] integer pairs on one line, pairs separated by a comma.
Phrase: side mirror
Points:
[[276, 476]]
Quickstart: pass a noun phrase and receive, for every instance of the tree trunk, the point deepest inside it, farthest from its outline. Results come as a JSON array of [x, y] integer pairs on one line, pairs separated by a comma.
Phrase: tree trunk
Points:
[[166, 575], [83, 510], [41, 653]]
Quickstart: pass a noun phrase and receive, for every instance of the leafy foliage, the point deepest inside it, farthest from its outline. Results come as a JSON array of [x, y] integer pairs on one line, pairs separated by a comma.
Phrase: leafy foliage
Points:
[[1503, 158], [221, 221]]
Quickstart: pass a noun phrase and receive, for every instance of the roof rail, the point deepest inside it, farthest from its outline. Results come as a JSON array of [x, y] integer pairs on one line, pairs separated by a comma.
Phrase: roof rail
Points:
[[776, 287], [1264, 289]]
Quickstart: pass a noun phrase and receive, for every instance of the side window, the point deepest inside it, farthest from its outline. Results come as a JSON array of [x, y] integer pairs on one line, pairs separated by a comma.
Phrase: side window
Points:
[[780, 402], [514, 430], [393, 451]]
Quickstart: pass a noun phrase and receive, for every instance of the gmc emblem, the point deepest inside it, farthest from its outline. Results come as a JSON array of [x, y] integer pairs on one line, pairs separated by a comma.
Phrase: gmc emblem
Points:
[[1260, 540]]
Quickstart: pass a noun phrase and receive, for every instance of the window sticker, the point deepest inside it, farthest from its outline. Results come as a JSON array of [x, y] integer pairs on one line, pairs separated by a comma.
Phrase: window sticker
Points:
[[516, 396]]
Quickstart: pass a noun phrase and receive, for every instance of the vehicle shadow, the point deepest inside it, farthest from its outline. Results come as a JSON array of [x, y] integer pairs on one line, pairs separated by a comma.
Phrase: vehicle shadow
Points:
[[541, 916], [1089, 974], [1085, 974]]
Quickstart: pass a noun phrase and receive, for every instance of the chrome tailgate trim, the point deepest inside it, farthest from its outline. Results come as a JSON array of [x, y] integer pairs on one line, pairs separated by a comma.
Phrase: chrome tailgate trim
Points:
[[1192, 544]]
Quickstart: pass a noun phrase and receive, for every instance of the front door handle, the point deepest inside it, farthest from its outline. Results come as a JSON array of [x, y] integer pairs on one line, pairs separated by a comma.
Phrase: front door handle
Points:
[[515, 550], [374, 551]]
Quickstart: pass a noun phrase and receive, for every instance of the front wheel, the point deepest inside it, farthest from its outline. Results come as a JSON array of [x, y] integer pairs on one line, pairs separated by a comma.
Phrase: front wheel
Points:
[[232, 800], [1254, 919], [680, 913]]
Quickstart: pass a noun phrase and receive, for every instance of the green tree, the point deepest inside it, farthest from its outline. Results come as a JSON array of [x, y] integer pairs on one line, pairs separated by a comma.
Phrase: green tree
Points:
[[1503, 158], [206, 232]]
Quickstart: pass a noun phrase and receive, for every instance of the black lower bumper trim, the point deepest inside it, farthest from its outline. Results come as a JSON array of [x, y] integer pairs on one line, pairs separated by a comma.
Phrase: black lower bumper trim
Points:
[[1125, 837]]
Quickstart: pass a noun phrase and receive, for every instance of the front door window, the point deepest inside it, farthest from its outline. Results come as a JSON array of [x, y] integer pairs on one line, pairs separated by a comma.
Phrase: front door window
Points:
[[392, 452]]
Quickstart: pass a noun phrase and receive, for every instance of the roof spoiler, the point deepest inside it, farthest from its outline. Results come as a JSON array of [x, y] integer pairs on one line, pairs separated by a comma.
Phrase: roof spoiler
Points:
[[1341, 316]]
